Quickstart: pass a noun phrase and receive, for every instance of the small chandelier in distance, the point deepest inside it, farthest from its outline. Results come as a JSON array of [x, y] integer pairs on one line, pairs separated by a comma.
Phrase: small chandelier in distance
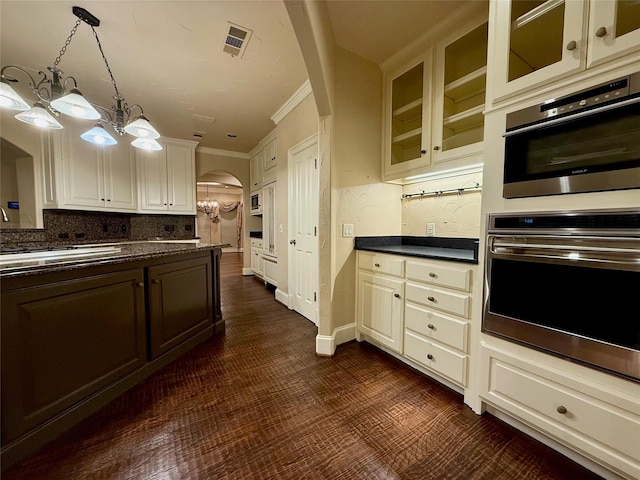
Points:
[[53, 97]]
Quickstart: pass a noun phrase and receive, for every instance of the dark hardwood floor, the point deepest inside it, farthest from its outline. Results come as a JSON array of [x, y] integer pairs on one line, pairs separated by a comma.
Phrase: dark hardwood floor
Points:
[[255, 402]]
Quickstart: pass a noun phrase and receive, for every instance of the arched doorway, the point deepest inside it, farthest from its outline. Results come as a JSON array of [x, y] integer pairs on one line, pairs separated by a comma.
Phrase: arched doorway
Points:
[[220, 210]]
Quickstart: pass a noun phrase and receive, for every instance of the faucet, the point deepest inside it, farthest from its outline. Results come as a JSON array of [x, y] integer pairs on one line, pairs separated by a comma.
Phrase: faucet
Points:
[[4, 215]]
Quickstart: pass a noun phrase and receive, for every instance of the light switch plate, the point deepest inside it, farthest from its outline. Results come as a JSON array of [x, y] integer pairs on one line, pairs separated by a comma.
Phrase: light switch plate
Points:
[[347, 229]]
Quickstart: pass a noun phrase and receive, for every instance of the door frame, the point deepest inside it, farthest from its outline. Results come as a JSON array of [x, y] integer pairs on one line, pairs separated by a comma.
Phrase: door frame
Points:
[[303, 145]]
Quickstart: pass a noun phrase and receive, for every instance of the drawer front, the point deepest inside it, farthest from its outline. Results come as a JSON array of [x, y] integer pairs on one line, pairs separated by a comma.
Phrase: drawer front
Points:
[[451, 302], [379, 263], [255, 242], [437, 326], [440, 275], [568, 412], [440, 359]]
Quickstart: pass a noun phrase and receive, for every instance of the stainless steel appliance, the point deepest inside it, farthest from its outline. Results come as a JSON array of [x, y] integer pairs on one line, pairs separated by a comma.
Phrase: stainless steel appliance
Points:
[[585, 142], [256, 203], [567, 284]]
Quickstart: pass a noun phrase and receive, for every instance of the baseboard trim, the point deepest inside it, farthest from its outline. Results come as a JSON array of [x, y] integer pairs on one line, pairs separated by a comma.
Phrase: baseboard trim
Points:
[[326, 344], [283, 297], [247, 271]]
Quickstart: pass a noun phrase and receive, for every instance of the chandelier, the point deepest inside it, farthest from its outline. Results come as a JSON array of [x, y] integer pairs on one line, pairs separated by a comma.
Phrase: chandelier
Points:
[[207, 206], [54, 97]]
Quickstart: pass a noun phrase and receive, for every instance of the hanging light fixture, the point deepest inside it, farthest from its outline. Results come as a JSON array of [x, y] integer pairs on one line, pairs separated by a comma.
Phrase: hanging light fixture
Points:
[[206, 206], [54, 98]]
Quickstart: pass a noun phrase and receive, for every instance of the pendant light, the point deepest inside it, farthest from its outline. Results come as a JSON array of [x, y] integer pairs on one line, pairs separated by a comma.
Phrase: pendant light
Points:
[[52, 94]]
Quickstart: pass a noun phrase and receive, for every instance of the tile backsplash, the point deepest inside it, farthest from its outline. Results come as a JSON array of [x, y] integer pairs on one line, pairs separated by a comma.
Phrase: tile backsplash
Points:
[[72, 226]]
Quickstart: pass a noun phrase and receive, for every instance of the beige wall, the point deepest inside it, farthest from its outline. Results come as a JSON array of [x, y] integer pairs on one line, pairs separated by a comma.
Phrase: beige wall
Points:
[[454, 215], [298, 125], [208, 160], [358, 195]]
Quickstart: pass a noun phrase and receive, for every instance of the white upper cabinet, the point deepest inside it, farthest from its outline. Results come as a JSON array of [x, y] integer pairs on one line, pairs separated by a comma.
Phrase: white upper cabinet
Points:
[[256, 170], [407, 136], [538, 41], [167, 178], [270, 159], [459, 100], [95, 176]]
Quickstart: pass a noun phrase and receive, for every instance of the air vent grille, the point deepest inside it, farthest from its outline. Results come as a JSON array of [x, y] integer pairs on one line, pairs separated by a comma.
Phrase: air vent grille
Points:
[[198, 134], [236, 40]]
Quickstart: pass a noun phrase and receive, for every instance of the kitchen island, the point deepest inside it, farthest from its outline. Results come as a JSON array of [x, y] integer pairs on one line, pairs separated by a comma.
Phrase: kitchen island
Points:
[[82, 324]]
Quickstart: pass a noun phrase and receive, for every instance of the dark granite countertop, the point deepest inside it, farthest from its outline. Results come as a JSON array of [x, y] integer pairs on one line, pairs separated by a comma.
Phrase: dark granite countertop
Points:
[[441, 248], [116, 253]]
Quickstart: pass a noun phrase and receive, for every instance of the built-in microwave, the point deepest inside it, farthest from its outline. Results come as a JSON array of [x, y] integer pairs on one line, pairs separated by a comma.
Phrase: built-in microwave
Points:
[[588, 141], [256, 203]]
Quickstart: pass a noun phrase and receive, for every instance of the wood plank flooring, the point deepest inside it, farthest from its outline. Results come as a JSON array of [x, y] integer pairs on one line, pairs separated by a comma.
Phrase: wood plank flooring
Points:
[[255, 402]]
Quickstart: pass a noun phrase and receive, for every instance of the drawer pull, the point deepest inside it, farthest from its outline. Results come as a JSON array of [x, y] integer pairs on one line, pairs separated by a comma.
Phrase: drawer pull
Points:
[[429, 356], [431, 299], [432, 275], [431, 326], [397, 295], [376, 265], [561, 410], [140, 284], [155, 281]]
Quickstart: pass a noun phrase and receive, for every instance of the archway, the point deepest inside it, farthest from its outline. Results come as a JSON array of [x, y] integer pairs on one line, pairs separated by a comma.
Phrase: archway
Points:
[[220, 210]]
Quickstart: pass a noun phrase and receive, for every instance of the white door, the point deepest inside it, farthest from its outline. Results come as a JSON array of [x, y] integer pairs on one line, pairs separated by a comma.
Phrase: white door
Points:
[[303, 228]]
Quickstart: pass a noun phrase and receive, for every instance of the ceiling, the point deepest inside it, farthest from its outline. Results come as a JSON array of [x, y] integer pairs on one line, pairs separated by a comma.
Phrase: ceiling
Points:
[[167, 56]]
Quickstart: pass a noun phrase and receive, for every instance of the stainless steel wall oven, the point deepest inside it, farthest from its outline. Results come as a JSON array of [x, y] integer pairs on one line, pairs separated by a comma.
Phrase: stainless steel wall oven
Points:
[[567, 284], [585, 142]]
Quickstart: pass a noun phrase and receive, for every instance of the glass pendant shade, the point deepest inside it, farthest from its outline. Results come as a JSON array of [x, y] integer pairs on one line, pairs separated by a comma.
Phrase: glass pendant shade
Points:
[[99, 136], [39, 117], [146, 144], [10, 99], [141, 128], [75, 105]]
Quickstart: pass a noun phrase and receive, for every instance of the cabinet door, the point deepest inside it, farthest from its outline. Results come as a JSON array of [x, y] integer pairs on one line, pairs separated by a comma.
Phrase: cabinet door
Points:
[[460, 78], [120, 184], [270, 159], [379, 309], [152, 179], [181, 178], [83, 171], [64, 341], [269, 219], [535, 42], [614, 30], [180, 302], [408, 111], [256, 170]]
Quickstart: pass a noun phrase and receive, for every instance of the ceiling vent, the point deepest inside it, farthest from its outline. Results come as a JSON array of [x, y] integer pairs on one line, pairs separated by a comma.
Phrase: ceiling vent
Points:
[[199, 134], [237, 39]]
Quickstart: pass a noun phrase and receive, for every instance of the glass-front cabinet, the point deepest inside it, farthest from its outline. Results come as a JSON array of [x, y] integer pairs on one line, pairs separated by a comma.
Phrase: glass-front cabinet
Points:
[[408, 132], [537, 41], [461, 77]]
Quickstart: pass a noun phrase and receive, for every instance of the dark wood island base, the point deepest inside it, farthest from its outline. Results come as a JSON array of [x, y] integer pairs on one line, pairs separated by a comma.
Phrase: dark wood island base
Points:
[[75, 338]]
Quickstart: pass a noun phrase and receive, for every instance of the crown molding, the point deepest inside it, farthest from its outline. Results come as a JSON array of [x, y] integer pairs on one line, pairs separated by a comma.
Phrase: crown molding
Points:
[[293, 102]]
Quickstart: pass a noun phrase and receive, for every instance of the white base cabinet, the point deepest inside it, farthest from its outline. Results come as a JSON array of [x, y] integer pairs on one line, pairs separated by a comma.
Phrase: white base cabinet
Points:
[[417, 308], [600, 422]]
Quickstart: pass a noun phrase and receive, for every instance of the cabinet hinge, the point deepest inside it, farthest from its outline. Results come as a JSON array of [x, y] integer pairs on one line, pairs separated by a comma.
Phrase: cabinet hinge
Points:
[[315, 299], [315, 231]]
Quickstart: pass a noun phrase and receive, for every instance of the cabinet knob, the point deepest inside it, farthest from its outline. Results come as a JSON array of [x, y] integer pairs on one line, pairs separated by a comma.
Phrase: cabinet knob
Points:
[[572, 45], [561, 410], [292, 242], [422, 152], [376, 265], [140, 284], [397, 295], [431, 299], [155, 281], [601, 32], [164, 204], [102, 199], [108, 199], [429, 356], [432, 275], [431, 326], [436, 148]]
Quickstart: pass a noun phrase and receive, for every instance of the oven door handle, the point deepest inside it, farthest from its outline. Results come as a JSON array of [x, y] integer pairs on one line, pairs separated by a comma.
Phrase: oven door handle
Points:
[[572, 117]]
